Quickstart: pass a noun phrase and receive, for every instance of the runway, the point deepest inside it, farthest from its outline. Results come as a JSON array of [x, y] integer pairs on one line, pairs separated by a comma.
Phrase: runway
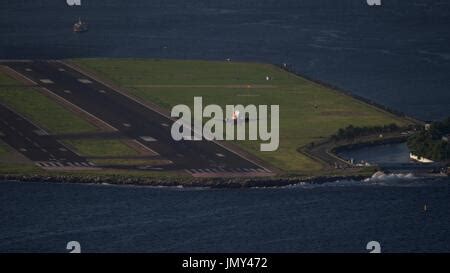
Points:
[[36, 144], [135, 120]]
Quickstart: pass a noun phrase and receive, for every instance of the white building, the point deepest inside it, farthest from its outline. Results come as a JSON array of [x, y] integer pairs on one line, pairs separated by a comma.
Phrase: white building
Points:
[[419, 158]]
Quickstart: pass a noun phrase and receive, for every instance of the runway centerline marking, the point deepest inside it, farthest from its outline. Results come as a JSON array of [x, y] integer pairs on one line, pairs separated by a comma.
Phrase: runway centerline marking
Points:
[[148, 138], [85, 81], [40, 132], [47, 81]]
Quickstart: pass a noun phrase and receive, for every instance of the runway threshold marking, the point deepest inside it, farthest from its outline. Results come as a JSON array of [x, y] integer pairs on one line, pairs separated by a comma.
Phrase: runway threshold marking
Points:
[[59, 164], [234, 171]]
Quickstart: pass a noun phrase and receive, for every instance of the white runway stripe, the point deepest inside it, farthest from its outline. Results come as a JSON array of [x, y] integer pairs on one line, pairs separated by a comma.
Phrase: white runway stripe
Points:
[[58, 164], [47, 81], [220, 170], [85, 81]]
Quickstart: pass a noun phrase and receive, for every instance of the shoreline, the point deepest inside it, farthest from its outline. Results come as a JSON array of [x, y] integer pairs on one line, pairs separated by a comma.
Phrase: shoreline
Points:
[[214, 183]]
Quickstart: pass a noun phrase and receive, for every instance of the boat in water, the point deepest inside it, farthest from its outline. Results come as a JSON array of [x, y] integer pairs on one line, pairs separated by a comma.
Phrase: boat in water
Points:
[[80, 26]]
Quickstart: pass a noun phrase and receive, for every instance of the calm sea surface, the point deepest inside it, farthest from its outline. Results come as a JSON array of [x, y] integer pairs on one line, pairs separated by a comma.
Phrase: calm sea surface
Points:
[[337, 217]]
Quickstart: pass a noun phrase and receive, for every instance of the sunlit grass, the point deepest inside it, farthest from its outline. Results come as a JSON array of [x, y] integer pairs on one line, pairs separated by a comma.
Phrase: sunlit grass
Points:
[[308, 111]]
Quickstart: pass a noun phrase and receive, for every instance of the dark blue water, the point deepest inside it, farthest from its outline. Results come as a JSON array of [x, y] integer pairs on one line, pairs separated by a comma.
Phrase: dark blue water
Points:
[[342, 216], [397, 55], [379, 154]]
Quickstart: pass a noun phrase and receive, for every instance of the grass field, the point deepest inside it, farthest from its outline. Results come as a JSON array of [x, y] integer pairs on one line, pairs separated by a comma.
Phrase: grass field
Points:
[[44, 111], [308, 111], [6, 80], [53, 117], [3, 150], [101, 147]]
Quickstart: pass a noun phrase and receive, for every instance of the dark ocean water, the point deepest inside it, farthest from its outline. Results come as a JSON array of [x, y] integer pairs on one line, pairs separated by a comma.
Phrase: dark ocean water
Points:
[[396, 54], [338, 217]]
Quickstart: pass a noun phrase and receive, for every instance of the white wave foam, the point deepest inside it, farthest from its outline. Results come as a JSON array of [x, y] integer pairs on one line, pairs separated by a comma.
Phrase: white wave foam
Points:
[[383, 177]]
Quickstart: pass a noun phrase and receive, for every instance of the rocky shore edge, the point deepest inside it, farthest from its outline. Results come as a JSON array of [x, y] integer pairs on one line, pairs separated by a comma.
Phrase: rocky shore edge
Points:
[[184, 182]]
